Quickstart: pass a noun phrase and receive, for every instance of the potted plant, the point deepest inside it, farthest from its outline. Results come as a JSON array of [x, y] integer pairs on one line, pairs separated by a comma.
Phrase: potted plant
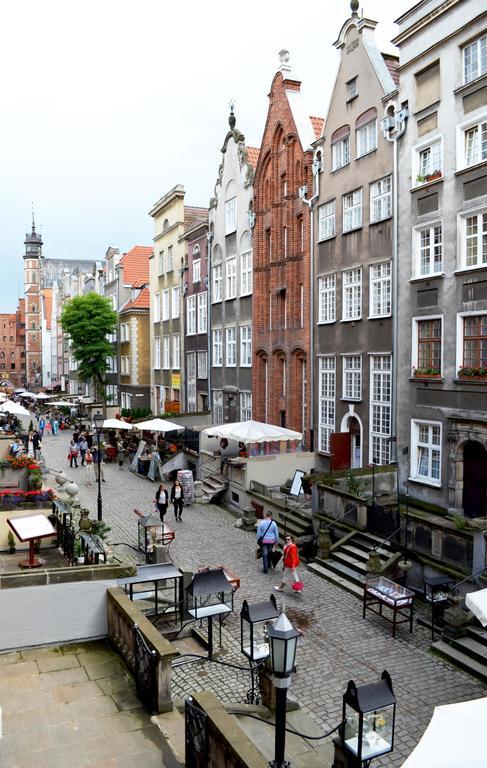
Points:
[[420, 179], [78, 552], [426, 373], [11, 543], [434, 175], [472, 372]]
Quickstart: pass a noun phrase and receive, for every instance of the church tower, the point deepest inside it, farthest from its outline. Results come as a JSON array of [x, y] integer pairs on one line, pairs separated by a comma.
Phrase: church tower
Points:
[[32, 285]]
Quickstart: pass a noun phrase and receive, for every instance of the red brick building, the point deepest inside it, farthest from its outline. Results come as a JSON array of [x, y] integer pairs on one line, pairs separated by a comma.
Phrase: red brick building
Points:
[[12, 347], [282, 280]]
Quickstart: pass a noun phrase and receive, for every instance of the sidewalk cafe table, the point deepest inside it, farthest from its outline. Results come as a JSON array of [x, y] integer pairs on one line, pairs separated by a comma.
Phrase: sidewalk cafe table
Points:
[[380, 592]]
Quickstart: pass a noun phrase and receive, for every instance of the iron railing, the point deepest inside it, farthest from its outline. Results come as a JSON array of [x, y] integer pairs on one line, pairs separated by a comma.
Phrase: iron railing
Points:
[[196, 735], [145, 662]]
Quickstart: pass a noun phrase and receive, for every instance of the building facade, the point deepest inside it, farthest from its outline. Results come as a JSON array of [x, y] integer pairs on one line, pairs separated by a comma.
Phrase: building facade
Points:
[[195, 291], [281, 252], [12, 348], [442, 381], [230, 281], [32, 285], [353, 258], [111, 290]]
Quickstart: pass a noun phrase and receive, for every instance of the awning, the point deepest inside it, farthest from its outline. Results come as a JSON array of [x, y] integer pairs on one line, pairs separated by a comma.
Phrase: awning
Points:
[[252, 432], [157, 425], [477, 603]]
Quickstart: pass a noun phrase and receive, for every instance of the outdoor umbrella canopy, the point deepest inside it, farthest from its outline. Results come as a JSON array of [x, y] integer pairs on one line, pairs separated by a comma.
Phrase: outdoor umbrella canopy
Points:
[[19, 390], [477, 603], [31, 395], [116, 424], [15, 408], [42, 396], [157, 425], [455, 738], [62, 403], [252, 432]]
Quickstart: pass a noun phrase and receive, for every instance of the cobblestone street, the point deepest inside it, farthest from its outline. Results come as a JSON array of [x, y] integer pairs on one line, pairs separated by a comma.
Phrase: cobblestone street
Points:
[[338, 644]]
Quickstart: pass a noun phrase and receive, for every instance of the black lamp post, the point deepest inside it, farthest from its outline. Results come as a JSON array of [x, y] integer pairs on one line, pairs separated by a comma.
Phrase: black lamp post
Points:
[[368, 721], [99, 418], [283, 640]]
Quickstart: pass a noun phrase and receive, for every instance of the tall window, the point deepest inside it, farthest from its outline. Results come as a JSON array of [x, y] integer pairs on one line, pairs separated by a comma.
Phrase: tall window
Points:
[[429, 162], [196, 270], [430, 245], [230, 215], [426, 451], [327, 387], [166, 352], [340, 153], [157, 352], [157, 307], [231, 346], [351, 89], [246, 346], [231, 278], [175, 350], [202, 312], [161, 262], [202, 365], [380, 289], [352, 294], [429, 346], [352, 210], [326, 220], [246, 273], [165, 304], [217, 347], [217, 406], [170, 265], [380, 408], [475, 341], [366, 138], [475, 59], [326, 299], [474, 246], [245, 406], [217, 283], [380, 199], [175, 302], [352, 377], [476, 143], [191, 315], [191, 369]]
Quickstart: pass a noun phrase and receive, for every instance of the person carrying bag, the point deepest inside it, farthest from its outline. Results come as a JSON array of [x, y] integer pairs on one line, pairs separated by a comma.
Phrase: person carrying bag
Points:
[[267, 538], [289, 566]]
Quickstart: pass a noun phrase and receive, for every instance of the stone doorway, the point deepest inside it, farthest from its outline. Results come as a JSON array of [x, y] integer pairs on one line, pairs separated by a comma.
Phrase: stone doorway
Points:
[[474, 499]]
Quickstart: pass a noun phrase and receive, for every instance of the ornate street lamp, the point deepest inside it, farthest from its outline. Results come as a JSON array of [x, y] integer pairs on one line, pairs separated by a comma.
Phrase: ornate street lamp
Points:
[[254, 638], [283, 640], [369, 713], [98, 419]]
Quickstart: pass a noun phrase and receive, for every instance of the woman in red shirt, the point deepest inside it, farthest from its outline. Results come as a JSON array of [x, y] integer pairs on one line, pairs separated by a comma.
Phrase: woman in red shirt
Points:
[[290, 562]]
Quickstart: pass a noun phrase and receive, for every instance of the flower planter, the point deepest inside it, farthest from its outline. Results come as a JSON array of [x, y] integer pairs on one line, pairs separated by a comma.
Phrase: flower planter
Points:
[[473, 378]]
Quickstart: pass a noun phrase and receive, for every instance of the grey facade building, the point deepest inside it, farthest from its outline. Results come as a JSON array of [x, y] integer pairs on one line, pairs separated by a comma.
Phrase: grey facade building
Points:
[[195, 291], [353, 258], [230, 281], [442, 377], [112, 292]]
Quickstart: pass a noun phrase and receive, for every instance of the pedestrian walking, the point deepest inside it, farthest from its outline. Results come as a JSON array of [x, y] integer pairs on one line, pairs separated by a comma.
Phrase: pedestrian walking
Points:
[[83, 447], [30, 446], [36, 441], [47, 427], [162, 500], [177, 498], [290, 562], [73, 454], [98, 461], [55, 427], [89, 468], [42, 426], [267, 538]]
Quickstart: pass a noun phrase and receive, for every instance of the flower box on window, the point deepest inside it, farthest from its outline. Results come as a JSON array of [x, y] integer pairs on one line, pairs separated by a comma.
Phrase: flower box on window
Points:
[[472, 372], [426, 373], [429, 177]]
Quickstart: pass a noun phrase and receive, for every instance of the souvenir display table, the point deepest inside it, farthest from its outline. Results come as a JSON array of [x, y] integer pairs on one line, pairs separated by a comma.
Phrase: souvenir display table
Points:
[[380, 592]]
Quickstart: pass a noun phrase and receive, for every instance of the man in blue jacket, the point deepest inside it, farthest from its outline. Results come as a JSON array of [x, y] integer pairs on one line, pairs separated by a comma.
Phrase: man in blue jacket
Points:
[[267, 537]]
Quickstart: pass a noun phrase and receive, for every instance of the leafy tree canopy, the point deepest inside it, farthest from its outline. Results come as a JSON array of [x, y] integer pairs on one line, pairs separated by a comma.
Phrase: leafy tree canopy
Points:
[[88, 320]]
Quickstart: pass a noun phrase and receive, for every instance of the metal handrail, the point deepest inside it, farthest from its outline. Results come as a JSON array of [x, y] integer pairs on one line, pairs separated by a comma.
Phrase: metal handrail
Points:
[[389, 537], [454, 589], [336, 519]]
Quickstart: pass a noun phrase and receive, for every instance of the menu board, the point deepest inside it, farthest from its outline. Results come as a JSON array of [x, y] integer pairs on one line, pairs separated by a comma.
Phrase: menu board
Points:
[[185, 477], [28, 527]]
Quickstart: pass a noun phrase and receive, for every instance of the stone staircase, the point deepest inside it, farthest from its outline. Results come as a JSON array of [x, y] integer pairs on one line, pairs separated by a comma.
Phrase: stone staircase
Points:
[[295, 520], [211, 488], [468, 652], [346, 566]]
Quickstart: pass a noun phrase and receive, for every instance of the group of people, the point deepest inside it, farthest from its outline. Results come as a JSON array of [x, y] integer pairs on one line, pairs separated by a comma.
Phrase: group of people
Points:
[[50, 423], [176, 497], [267, 541], [82, 447]]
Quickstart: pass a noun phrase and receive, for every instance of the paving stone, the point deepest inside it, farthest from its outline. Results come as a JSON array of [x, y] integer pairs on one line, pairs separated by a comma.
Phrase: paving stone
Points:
[[77, 691], [63, 677], [54, 662], [121, 722], [9, 658], [21, 669], [102, 669]]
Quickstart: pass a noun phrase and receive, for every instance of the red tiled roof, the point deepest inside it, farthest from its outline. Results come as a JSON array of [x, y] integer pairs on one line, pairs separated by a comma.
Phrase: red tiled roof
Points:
[[141, 302], [317, 124], [253, 156], [392, 63], [192, 214], [135, 264]]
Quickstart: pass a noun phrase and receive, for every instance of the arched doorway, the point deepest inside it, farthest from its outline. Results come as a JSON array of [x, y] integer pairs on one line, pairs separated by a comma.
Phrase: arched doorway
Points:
[[356, 443], [474, 479]]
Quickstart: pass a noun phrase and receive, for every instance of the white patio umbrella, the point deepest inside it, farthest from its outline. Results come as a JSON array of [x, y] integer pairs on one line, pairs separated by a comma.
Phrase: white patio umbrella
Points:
[[14, 408], [30, 395], [252, 432], [19, 390], [62, 403], [116, 424], [455, 738], [477, 603], [42, 396], [157, 425]]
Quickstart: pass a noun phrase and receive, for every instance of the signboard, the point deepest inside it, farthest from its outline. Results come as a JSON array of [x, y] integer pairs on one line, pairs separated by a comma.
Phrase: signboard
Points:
[[185, 477], [27, 527], [296, 485], [176, 380]]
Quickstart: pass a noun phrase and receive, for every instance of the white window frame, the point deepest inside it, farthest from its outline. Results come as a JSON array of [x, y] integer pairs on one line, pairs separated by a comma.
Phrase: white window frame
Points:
[[217, 347], [217, 406], [475, 50], [327, 220], [414, 341], [202, 364], [424, 165], [479, 214], [191, 315], [161, 262], [366, 138], [461, 316], [351, 90], [166, 352], [245, 406], [326, 401], [231, 278], [380, 289], [352, 210], [157, 308], [428, 250], [176, 351], [430, 446], [380, 408], [230, 215], [326, 299], [217, 283], [175, 302], [340, 153], [245, 346], [352, 294], [231, 346], [170, 259], [196, 270], [202, 303], [381, 199], [165, 305], [352, 377], [191, 378], [246, 273], [157, 353]]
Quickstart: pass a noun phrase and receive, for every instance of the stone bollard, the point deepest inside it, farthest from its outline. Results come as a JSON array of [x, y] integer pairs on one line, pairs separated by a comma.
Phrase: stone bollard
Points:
[[248, 519], [455, 617], [373, 563], [324, 543]]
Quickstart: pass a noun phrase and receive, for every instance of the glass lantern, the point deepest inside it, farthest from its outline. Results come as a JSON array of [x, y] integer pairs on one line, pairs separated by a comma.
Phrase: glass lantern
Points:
[[254, 618], [150, 530], [283, 640], [368, 721]]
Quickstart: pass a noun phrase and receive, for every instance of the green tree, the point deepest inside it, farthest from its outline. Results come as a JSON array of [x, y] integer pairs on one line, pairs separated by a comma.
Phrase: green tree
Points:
[[88, 320]]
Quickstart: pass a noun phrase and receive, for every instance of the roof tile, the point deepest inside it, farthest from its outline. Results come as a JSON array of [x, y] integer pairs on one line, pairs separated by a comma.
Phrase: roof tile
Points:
[[135, 265]]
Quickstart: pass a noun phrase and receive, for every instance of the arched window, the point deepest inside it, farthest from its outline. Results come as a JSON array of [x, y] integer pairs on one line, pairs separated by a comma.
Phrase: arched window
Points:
[[165, 226], [230, 208]]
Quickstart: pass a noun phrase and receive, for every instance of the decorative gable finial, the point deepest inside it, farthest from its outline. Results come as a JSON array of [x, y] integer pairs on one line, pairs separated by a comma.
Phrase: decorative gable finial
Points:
[[284, 58], [354, 5], [231, 117]]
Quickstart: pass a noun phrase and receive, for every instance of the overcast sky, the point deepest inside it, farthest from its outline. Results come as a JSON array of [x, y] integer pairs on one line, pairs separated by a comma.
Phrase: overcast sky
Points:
[[107, 104]]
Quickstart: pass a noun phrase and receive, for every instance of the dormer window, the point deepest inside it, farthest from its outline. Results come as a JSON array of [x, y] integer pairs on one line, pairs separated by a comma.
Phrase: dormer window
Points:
[[351, 89]]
